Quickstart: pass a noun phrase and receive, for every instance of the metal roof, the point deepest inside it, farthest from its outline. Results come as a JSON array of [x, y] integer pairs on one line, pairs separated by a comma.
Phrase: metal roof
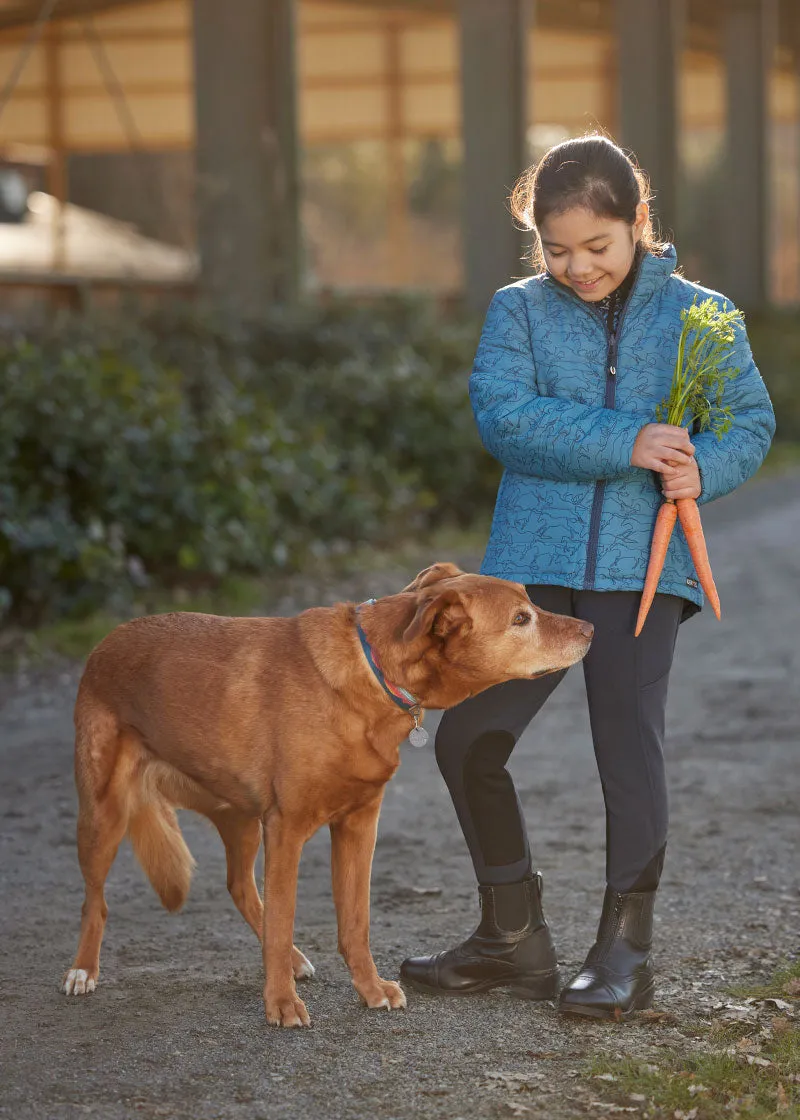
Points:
[[704, 17], [16, 12]]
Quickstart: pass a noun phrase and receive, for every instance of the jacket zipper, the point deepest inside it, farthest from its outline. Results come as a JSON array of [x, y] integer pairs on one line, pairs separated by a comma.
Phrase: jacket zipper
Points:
[[609, 402], [600, 485]]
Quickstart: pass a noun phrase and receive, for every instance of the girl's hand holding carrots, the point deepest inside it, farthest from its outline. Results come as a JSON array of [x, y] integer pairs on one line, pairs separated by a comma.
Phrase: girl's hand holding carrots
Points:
[[681, 481], [696, 398], [660, 446]]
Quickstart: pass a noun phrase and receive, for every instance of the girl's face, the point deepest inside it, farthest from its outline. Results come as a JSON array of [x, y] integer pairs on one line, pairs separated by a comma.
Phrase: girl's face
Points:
[[591, 255]]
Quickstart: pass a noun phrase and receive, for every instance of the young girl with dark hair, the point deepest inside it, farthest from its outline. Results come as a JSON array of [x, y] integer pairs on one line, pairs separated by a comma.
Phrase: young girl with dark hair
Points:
[[570, 368]]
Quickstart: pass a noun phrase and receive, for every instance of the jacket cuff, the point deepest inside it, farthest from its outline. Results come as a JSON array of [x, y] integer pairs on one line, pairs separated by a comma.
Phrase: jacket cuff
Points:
[[620, 447]]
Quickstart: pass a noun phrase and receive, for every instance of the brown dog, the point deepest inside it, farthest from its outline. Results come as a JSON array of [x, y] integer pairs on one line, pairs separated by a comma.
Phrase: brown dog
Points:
[[278, 726]]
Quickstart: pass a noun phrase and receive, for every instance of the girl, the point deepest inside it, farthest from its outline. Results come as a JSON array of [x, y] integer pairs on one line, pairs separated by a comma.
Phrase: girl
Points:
[[570, 368]]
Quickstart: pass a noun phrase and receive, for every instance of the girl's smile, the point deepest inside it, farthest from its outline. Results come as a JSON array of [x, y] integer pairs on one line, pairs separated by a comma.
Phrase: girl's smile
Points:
[[591, 255], [586, 285]]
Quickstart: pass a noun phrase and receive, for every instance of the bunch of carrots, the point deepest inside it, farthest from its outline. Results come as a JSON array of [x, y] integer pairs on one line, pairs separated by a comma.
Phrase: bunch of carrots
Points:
[[695, 401]]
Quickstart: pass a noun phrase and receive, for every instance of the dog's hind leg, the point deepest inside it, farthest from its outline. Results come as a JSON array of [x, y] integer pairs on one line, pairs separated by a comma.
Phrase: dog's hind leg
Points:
[[103, 769], [241, 836]]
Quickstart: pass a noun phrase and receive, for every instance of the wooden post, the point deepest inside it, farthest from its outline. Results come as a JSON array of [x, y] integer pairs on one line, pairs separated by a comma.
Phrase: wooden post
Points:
[[795, 38], [494, 47], [649, 36], [750, 37], [246, 152], [396, 161], [57, 184], [610, 117]]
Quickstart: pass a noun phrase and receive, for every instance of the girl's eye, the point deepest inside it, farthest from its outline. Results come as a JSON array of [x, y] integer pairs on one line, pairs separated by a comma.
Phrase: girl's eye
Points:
[[598, 252], [555, 256], [522, 619]]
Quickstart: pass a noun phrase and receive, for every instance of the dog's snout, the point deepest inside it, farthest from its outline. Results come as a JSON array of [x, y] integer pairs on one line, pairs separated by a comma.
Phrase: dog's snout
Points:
[[586, 628]]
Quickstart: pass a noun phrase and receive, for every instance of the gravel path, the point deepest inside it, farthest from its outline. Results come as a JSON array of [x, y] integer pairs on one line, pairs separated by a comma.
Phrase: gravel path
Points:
[[176, 1027]]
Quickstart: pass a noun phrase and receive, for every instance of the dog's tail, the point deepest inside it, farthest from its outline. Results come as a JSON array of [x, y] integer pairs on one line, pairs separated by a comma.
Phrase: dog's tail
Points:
[[157, 840]]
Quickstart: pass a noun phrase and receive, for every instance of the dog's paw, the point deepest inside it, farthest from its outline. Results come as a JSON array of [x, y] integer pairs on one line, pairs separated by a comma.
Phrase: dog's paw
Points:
[[286, 1011], [302, 967], [383, 994], [78, 982]]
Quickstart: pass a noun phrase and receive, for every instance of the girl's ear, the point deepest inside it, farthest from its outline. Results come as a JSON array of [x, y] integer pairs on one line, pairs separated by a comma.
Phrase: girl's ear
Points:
[[642, 218]]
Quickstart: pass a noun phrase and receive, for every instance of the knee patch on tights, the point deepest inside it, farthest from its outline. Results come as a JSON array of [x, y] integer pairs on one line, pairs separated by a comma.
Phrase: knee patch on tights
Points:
[[492, 800], [649, 877]]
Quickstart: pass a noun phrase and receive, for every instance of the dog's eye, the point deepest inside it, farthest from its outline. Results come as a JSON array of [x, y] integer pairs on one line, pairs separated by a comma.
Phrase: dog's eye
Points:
[[522, 619]]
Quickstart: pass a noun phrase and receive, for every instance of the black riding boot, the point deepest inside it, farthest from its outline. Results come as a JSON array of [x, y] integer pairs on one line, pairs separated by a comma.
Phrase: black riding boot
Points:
[[511, 948], [617, 978]]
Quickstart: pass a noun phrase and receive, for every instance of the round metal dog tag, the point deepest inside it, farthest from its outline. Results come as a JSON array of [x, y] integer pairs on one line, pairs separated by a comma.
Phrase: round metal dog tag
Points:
[[418, 736]]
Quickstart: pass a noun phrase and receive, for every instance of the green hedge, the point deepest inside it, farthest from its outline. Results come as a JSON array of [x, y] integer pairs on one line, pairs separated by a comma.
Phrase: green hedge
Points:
[[177, 447]]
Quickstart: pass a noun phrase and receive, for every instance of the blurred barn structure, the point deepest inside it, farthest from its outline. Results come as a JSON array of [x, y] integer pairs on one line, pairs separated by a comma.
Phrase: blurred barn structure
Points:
[[258, 148]]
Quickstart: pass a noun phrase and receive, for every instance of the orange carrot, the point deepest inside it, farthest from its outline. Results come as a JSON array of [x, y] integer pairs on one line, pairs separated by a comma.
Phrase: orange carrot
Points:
[[689, 516], [665, 523], [696, 401]]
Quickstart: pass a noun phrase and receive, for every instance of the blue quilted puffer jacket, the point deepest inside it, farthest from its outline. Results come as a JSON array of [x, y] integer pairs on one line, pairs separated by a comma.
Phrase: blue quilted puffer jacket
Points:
[[559, 402]]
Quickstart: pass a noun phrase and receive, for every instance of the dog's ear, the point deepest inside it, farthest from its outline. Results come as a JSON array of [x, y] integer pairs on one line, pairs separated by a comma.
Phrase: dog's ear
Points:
[[428, 576], [438, 614]]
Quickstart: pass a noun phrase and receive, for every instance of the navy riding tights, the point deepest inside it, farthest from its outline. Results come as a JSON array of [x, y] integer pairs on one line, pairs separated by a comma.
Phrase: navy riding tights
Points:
[[626, 686]]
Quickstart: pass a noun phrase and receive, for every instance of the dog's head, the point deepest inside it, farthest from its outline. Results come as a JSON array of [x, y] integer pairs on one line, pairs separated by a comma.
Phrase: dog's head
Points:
[[458, 634]]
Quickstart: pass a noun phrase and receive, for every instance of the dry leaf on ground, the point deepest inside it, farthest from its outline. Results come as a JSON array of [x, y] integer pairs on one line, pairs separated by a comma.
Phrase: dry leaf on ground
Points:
[[502, 1079], [650, 1016], [738, 1012], [778, 1004]]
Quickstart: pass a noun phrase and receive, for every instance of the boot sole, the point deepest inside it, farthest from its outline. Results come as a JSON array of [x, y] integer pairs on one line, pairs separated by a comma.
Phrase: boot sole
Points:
[[617, 1015], [545, 986]]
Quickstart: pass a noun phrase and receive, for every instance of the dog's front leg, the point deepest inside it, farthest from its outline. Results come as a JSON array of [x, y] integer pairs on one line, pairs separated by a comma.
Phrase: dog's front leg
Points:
[[282, 847], [352, 846]]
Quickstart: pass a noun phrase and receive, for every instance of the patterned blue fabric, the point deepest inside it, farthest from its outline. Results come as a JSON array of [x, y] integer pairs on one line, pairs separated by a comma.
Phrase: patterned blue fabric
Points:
[[571, 510]]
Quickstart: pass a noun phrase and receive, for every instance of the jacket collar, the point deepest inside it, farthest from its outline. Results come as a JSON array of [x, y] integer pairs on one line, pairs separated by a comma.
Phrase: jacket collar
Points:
[[654, 273]]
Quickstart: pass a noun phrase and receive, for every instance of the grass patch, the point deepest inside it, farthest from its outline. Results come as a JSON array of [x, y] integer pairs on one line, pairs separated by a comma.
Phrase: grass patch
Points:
[[741, 1069], [74, 638], [785, 984], [724, 1082]]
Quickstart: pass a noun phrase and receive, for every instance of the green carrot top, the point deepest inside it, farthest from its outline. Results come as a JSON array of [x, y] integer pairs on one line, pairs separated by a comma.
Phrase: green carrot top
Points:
[[702, 369]]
